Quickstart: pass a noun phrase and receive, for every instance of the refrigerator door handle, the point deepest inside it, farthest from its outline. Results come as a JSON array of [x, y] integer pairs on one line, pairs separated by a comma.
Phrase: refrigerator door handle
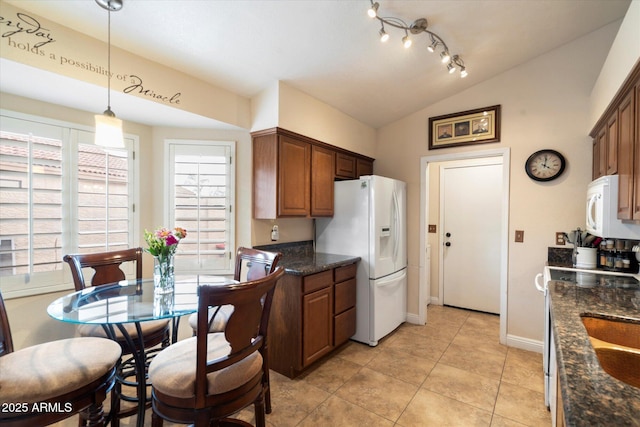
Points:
[[391, 280], [396, 240]]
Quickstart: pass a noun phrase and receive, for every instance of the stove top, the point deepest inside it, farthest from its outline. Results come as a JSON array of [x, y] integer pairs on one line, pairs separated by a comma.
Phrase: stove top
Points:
[[589, 279]]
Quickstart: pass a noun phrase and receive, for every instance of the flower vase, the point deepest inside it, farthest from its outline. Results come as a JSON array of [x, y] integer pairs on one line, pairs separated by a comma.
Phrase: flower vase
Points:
[[163, 278]]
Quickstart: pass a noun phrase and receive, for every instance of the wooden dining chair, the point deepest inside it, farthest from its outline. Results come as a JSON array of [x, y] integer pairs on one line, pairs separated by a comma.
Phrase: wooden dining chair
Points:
[[251, 264], [207, 378], [106, 267], [46, 383]]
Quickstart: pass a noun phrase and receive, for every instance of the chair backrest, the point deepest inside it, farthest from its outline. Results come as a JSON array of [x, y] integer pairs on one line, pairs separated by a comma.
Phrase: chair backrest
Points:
[[258, 263], [246, 330], [6, 343], [105, 264]]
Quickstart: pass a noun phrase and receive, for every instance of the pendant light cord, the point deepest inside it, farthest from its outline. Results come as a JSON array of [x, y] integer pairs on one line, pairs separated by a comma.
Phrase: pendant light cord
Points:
[[109, 60]]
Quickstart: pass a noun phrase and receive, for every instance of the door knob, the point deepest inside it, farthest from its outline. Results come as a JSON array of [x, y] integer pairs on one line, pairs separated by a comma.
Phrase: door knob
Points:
[[448, 244], [448, 234]]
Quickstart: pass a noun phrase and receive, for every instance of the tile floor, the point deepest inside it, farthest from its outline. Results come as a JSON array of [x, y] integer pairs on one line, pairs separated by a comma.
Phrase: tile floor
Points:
[[451, 372]]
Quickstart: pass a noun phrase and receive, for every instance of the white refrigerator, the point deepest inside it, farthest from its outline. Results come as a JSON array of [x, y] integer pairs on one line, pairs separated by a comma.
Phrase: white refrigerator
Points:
[[369, 221]]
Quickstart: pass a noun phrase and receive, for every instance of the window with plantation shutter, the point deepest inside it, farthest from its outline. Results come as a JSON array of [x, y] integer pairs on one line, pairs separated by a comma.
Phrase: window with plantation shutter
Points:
[[201, 193], [59, 194]]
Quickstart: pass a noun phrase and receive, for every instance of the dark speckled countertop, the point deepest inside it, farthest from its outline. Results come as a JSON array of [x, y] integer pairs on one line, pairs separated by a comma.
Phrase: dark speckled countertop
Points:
[[315, 263], [591, 397], [299, 258]]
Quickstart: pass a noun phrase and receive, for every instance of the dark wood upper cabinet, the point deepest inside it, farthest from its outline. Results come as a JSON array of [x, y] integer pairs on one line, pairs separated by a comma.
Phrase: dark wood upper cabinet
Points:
[[616, 145], [345, 166], [322, 174], [293, 175], [625, 136]]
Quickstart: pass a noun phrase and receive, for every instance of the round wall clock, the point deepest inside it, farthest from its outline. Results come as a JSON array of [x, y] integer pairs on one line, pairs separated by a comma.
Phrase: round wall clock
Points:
[[545, 165]]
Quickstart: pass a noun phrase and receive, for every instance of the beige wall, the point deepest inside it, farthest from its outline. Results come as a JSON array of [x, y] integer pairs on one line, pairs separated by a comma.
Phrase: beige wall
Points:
[[545, 104], [283, 106]]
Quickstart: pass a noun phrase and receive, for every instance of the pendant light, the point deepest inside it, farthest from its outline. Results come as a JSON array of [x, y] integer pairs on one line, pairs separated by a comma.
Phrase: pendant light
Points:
[[108, 126]]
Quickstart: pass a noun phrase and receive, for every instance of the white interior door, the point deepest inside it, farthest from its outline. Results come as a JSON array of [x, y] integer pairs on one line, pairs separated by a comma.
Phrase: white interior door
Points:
[[471, 223]]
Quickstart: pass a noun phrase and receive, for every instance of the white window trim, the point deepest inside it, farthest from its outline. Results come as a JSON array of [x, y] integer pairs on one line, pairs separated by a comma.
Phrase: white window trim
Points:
[[232, 194], [13, 287]]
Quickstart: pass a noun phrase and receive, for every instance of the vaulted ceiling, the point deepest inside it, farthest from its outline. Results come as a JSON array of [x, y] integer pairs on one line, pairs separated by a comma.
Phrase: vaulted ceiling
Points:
[[329, 49]]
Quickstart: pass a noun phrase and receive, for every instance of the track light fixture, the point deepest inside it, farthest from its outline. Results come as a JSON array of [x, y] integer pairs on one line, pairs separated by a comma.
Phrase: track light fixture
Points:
[[418, 26], [108, 126]]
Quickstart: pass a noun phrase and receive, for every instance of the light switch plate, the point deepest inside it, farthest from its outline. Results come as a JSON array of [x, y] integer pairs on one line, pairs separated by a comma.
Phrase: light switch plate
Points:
[[519, 236], [432, 228]]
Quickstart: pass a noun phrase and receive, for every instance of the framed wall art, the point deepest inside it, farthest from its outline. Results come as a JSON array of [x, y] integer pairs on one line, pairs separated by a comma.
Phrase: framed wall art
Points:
[[479, 126]]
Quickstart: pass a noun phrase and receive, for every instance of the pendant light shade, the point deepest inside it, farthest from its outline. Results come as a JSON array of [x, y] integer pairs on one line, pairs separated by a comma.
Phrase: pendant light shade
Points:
[[108, 126], [109, 130]]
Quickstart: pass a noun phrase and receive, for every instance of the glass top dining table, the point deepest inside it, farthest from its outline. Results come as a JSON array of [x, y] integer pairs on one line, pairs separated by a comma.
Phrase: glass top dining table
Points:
[[130, 301], [133, 301]]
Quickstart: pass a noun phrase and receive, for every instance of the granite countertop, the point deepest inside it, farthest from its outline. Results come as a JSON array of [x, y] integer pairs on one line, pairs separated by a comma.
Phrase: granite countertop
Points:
[[304, 264], [591, 396], [300, 258]]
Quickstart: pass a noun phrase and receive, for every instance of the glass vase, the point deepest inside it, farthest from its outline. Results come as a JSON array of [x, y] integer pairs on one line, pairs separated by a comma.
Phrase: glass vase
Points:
[[163, 278]]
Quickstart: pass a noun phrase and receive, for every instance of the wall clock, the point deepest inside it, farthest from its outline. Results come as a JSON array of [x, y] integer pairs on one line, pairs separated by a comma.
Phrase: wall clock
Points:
[[545, 165]]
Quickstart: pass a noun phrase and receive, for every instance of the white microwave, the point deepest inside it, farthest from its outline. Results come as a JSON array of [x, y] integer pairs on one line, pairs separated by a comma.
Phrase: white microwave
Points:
[[602, 211]]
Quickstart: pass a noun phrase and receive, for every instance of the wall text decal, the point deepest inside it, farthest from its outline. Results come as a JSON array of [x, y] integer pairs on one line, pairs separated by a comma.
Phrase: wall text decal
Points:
[[137, 87], [28, 25]]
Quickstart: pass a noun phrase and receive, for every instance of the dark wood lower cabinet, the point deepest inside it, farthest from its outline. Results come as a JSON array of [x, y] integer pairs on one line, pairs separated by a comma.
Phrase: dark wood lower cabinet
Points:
[[310, 317]]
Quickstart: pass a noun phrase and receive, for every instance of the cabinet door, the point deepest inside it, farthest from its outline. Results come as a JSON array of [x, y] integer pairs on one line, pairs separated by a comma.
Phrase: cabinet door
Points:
[[625, 157], [345, 326], [322, 174], [636, 152], [364, 167], [612, 144], [345, 166], [317, 329], [600, 154], [294, 177]]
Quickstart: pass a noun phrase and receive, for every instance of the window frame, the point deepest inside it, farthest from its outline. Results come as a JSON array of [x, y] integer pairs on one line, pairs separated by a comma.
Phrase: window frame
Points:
[[231, 198], [38, 284]]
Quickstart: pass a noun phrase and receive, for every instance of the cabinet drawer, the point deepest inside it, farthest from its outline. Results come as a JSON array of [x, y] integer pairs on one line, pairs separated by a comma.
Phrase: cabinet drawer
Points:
[[317, 281], [344, 326], [345, 295], [345, 272]]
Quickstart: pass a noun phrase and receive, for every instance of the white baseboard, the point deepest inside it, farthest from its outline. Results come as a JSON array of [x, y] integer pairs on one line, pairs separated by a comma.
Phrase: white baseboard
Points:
[[414, 319], [525, 343]]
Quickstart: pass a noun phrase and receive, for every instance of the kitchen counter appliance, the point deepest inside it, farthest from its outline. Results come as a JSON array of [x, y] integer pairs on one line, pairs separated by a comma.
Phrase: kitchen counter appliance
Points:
[[602, 211], [369, 222]]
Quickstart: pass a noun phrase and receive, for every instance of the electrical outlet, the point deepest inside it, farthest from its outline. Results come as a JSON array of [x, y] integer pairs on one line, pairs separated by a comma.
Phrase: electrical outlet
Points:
[[432, 228], [275, 234], [560, 238], [519, 236]]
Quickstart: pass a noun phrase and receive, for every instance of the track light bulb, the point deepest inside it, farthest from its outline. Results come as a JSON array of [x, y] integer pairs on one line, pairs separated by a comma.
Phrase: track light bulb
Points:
[[463, 72], [444, 57], [451, 68], [373, 10], [383, 35], [432, 47], [406, 42]]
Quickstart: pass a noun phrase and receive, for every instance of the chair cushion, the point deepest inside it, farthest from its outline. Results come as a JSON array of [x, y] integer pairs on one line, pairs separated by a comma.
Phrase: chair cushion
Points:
[[44, 371], [173, 370], [219, 323], [87, 330]]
